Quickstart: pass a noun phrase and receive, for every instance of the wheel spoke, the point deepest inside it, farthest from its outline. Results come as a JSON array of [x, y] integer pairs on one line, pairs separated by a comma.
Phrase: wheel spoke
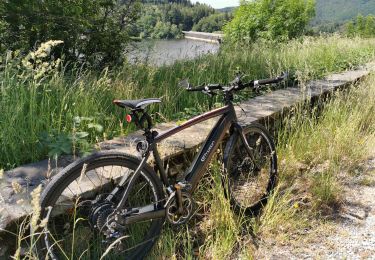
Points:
[[79, 216], [251, 177]]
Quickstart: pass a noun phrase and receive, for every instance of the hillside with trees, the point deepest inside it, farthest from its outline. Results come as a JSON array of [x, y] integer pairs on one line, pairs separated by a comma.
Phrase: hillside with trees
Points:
[[332, 14], [340, 11], [167, 19], [213, 23], [362, 26]]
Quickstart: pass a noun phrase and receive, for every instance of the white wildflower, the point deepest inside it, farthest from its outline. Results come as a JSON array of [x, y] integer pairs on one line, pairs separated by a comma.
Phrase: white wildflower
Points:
[[17, 188], [38, 61], [35, 198]]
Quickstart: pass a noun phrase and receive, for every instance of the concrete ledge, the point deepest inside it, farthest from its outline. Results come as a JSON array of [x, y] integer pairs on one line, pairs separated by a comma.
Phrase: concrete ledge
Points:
[[14, 205], [203, 36]]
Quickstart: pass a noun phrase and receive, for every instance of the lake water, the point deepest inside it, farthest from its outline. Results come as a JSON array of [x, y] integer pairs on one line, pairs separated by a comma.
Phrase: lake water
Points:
[[160, 52]]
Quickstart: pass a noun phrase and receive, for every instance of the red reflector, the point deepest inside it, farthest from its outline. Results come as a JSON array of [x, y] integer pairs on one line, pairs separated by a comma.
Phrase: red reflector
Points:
[[128, 118]]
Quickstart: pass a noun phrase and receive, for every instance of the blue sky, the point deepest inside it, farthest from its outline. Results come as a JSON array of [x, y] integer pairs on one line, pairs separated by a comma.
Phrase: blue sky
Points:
[[219, 3]]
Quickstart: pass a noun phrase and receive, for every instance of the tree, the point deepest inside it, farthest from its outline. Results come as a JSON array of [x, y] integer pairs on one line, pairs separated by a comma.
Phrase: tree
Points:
[[165, 21], [270, 19], [93, 31], [362, 26], [212, 23]]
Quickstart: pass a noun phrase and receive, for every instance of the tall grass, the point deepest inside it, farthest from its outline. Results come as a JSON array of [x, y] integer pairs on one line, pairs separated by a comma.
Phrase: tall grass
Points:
[[321, 144], [317, 148], [40, 115], [318, 151], [213, 233]]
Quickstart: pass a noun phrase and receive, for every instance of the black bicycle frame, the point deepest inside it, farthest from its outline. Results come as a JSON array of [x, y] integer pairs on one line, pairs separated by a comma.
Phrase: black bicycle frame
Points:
[[207, 150], [193, 175]]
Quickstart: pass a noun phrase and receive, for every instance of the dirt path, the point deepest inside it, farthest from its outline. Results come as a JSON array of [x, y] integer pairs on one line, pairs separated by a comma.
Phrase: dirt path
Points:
[[350, 236]]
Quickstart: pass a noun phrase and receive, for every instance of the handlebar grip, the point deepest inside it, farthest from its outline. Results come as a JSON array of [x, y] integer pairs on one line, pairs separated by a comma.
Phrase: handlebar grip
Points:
[[195, 89], [270, 81], [266, 81], [206, 88]]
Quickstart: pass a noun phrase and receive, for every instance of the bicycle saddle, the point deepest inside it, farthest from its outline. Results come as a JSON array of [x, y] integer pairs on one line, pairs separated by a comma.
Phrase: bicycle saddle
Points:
[[136, 104]]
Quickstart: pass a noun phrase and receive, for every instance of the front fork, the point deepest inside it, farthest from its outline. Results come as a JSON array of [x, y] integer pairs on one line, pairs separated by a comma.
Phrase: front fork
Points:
[[249, 149]]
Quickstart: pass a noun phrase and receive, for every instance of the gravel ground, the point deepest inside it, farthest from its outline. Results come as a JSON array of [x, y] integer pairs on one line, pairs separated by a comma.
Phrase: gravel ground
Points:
[[351, 236]]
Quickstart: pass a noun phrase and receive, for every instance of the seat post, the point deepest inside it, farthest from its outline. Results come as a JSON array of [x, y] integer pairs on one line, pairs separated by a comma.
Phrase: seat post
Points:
[[144, 122]]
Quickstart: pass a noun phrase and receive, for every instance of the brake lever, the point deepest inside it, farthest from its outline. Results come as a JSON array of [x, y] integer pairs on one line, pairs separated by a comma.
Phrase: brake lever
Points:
[[284, 75], [237, 80], [185, 84]]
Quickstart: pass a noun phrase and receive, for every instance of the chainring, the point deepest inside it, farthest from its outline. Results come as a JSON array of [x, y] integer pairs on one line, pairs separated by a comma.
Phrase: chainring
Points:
[[176, 218]]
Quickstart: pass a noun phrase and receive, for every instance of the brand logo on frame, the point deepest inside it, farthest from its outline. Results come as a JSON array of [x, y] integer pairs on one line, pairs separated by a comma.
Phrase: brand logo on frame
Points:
[[204, 157]]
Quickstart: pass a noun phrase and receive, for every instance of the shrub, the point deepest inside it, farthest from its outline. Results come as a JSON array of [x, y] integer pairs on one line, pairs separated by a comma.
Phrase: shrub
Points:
[[269, 19]]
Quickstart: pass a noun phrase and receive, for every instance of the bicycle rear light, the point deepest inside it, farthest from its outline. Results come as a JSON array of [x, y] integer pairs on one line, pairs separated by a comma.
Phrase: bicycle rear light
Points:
[[128, 118]]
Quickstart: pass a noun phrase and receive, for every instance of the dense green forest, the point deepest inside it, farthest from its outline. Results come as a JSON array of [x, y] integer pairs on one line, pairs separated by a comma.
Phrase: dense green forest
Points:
[[94, 32], [332, 14], [167, 19], [341, 11], [362, 26]]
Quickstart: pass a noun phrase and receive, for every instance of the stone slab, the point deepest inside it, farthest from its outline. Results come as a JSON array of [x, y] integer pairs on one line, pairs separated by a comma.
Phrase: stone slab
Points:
[[16, 205]]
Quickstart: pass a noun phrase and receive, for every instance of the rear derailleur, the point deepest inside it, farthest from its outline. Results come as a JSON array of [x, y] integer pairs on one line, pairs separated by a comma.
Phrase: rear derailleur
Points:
[[102, 218]]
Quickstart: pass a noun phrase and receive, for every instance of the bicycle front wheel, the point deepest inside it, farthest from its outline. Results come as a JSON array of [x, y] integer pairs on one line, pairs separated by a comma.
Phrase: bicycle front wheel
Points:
[[77, 214], [251, 176]]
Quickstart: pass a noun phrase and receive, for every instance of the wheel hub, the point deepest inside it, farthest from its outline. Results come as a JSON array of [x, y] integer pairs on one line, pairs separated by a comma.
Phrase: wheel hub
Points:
[[246, 166]]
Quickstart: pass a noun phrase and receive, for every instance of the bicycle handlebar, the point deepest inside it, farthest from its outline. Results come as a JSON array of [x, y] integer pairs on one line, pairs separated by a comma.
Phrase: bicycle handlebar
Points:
[[238, 85]]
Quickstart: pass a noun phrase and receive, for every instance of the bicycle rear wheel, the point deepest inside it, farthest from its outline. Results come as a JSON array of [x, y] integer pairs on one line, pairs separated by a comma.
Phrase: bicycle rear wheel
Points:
[[77, 214], [250, 177]]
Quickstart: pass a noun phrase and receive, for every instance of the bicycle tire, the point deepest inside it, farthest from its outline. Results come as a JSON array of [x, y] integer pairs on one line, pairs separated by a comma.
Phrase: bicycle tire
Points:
[[67, 176], [235, 157]]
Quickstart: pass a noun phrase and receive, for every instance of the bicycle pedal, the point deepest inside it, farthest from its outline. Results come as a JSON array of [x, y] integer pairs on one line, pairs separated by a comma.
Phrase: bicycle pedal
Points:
[[185, 186]]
